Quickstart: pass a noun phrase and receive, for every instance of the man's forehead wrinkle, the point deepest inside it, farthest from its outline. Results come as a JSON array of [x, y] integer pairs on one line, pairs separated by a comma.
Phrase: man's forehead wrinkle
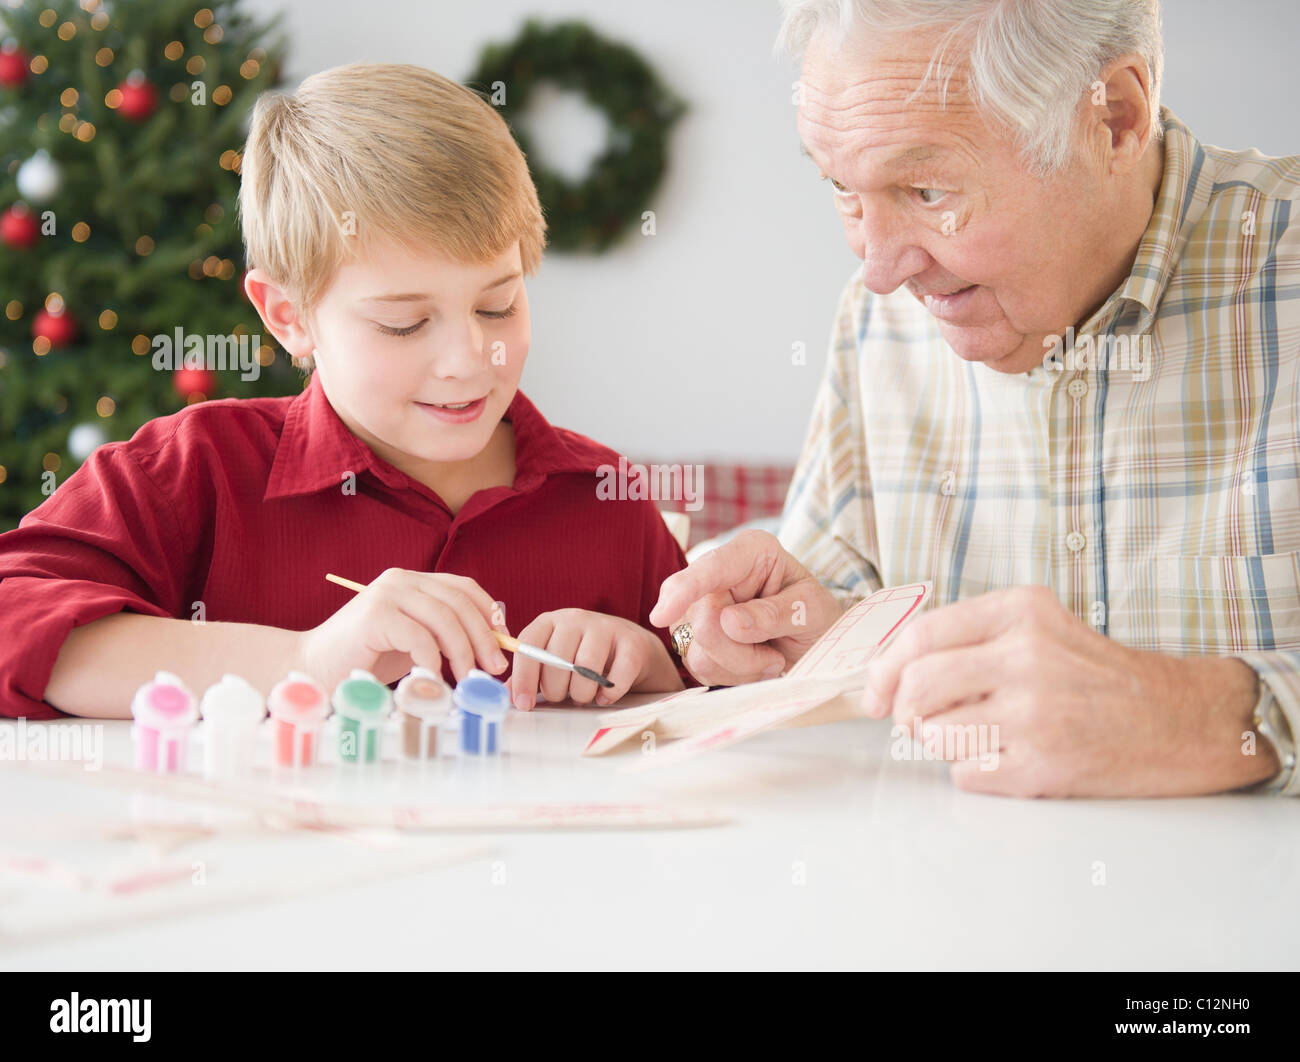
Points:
[[891, 148], [864, 127]]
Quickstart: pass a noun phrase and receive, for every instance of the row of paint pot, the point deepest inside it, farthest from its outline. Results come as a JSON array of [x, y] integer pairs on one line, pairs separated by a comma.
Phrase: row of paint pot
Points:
[[433, 720]]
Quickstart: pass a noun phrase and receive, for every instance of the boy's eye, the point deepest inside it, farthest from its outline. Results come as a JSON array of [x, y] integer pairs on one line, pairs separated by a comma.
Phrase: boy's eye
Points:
[[409, 331]]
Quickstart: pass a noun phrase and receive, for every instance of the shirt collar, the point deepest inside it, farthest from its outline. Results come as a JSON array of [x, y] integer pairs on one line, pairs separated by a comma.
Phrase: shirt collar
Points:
[[316, 449], [1184, 193]]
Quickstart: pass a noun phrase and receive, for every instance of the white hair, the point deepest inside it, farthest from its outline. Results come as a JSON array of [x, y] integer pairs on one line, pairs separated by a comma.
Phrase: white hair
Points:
[[1030, 60]]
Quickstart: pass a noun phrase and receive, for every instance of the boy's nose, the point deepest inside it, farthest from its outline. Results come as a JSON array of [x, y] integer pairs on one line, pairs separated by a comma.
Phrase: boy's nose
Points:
[[460, 351]]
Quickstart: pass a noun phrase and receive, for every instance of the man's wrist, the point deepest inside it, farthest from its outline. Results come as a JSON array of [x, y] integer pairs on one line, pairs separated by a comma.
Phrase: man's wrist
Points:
[[1238, 755]]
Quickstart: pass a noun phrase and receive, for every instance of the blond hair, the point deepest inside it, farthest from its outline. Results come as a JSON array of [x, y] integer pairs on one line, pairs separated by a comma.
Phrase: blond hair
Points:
[[367, 151]]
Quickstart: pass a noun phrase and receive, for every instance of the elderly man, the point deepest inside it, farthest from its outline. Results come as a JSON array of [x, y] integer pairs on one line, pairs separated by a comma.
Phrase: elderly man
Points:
[[1063, 388]]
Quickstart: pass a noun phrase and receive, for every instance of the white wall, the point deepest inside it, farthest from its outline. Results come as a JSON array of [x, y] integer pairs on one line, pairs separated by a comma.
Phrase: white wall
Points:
[[678, 346]]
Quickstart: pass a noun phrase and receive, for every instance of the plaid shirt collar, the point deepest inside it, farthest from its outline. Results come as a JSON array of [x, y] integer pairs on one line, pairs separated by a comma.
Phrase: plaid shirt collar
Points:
[[1184, 194]]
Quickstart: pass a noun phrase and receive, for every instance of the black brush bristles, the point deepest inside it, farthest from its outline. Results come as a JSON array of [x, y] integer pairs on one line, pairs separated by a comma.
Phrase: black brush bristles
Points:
[[595, 676]]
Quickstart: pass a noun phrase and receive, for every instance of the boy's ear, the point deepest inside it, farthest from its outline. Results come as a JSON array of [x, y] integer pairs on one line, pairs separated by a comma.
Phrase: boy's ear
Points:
[[278, 314]]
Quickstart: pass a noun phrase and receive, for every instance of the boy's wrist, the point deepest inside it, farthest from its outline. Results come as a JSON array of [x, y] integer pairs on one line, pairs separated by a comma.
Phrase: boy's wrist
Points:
[[660, 674]]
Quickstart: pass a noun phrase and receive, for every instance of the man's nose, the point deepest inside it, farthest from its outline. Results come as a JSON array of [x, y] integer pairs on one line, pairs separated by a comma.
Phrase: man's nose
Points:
[[889, 253]]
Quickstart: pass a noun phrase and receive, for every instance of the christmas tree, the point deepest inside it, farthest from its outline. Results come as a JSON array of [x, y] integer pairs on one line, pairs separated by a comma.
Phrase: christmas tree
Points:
[[121, 126]]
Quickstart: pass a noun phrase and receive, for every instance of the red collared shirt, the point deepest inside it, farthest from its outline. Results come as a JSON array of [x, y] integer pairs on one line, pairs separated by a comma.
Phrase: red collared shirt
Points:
[[240, 505]]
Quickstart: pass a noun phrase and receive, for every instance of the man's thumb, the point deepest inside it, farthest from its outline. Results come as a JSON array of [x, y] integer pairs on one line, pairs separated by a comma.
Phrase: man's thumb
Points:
[[759, 620]]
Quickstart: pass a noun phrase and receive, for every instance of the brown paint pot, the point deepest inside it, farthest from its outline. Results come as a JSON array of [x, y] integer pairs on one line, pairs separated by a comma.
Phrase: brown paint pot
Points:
[[423, 702]]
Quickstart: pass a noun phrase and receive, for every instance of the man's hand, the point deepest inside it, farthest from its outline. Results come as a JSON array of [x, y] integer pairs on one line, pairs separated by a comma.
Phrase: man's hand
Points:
[[1063, 710], [753, 609]]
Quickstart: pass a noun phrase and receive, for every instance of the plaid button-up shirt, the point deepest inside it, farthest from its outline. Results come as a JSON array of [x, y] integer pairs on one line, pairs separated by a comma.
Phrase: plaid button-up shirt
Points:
[[1149, 474]]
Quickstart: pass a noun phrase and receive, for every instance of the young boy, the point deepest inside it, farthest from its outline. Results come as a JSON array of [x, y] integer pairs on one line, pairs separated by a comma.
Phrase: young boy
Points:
[[389, 220]]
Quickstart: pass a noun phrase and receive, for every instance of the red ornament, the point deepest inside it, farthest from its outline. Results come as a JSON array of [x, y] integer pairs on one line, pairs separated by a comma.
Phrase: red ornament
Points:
[[139, 97], [194, 382], [13, 66], [18, 227], [59, 328]]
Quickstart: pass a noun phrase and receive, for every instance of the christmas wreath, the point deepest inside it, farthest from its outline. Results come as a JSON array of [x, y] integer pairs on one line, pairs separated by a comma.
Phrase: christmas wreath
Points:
[[592, 213]]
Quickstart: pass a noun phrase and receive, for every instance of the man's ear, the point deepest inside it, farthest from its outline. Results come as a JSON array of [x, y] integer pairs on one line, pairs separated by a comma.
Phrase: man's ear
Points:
[[1121, 112], [279, 314]]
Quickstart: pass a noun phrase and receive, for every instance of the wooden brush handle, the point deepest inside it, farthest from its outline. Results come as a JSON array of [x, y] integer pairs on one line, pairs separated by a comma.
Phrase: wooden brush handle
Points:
[[506, 642]]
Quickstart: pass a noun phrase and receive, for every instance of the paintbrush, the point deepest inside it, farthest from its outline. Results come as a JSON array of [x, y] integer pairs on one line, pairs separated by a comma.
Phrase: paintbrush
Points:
[[511, 645]]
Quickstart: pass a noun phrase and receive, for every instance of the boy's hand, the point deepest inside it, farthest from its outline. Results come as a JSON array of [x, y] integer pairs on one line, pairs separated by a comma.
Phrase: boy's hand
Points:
[[631, 657], [403, 619]]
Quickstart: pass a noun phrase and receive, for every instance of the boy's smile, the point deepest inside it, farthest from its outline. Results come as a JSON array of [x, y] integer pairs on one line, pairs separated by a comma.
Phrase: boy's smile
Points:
[[461, 413]]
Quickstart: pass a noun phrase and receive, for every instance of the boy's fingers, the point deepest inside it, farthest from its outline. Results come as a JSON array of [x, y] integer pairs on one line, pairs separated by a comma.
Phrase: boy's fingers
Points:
[[446, 626], [622, 672], [482, 600], [523, 682], [593, 653], [406, 635], [564, 642], [526, 672], [478, 635]]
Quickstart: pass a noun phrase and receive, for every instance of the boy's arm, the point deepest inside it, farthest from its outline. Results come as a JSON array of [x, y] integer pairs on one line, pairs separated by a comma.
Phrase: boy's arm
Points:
[[105, 542], [102, 664]]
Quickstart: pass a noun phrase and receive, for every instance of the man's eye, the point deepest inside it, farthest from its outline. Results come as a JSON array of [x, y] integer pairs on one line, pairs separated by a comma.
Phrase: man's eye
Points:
[[937, 193], [839, 188], [409, 331]]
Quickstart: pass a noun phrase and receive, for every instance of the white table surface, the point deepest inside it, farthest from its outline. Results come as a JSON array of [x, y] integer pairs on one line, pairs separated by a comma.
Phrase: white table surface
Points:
[[837, 857]]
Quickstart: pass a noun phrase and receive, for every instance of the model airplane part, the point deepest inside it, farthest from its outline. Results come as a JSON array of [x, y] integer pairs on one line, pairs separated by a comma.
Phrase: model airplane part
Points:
[[306, 811], [820, 688]]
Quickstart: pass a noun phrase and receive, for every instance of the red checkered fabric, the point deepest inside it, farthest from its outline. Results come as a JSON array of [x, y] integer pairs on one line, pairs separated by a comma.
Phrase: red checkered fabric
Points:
[[732, 495]]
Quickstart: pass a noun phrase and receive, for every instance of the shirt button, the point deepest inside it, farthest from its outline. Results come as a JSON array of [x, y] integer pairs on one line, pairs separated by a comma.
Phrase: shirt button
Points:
[[1077, 388], [1075, 541]]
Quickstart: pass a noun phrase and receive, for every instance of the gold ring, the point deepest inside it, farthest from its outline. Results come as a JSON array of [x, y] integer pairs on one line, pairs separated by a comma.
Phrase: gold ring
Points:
[[682, 636]]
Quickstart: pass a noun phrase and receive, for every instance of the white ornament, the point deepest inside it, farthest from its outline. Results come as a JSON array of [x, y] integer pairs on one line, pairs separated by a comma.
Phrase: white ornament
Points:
[[39, 178], [84, 439]]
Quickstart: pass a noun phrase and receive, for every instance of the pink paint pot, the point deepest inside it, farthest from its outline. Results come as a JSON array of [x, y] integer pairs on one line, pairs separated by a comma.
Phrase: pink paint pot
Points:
[[164, 712]]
